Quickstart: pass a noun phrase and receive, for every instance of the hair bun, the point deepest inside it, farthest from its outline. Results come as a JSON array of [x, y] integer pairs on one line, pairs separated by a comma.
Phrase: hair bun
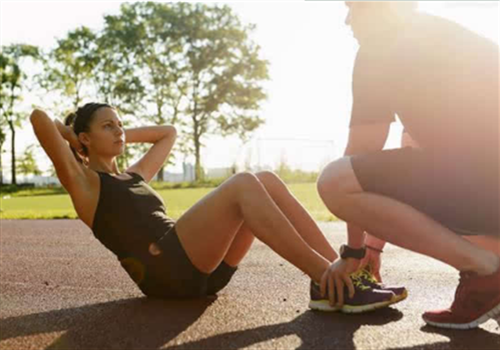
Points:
[[70, 119]]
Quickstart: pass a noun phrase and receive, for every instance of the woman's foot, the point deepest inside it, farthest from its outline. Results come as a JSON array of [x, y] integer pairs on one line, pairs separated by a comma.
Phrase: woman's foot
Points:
[[365, 299], [369, 279]]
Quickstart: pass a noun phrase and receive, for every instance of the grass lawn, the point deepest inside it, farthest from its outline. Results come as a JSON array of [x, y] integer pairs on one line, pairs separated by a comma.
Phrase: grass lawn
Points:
[[52, 204]]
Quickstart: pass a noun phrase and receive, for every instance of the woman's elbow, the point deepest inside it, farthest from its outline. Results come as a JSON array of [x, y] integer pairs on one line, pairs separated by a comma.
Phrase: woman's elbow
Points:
[[171, 131], [36, 115]]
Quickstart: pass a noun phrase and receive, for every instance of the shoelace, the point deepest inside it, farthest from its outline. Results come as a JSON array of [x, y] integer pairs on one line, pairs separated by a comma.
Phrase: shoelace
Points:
[[358, 282], [368, 276], [365, 275]]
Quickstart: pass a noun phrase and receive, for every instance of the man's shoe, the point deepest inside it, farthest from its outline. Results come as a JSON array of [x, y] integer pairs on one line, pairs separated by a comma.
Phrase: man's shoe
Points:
[[365, 299], [368, 279], [477, 299]]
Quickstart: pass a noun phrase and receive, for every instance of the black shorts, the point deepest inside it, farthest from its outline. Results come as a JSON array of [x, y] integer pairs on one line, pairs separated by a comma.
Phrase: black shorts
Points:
[[172, 275], [462, 195]]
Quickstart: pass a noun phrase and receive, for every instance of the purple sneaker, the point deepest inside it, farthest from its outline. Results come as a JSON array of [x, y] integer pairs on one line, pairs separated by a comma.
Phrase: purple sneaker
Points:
[[365, 299], [368, 279]]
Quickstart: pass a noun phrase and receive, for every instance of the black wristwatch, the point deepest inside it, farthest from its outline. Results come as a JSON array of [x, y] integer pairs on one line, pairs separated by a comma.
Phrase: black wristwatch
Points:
[[348, 252]]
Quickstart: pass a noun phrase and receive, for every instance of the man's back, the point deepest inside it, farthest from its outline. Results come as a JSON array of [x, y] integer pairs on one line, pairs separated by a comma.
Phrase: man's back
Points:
[[441, 79], [446, 84]]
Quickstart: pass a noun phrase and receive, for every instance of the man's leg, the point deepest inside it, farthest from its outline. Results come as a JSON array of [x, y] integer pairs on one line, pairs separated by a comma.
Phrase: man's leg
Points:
[[486, 242], [386, 218], [478, 295]]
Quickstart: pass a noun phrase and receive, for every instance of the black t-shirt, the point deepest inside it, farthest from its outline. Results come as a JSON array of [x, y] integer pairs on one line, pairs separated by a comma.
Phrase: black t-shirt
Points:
[[441, 79]]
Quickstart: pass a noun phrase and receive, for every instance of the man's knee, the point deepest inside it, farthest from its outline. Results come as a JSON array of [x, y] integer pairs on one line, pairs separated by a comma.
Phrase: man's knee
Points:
[[336, 181]]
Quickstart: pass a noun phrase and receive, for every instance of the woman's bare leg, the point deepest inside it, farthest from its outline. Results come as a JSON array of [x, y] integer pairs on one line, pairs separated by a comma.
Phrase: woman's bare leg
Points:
[[294, 211], [208, 229], [240, 246]]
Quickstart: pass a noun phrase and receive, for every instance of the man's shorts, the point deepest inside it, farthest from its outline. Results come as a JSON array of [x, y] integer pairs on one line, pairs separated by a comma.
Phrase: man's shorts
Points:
[[461, 195], [172, 275]]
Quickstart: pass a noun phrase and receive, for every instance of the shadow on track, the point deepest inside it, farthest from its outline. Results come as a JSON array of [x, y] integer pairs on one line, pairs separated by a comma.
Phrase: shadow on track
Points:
[[123, 324], [315, 329]]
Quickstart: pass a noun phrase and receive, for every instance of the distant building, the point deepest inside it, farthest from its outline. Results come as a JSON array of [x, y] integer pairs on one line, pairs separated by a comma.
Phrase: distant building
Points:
[[188, 175]]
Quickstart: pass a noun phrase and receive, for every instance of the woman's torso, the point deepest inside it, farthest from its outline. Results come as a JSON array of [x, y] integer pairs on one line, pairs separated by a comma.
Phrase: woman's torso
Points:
[[123, 211]]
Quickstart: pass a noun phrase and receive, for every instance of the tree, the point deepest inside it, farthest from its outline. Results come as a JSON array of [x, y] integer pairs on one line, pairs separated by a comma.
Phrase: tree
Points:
[[3, 136], [12, 86], [142, 35], [70, 66], [201, 70], [27, 164], [223, 74]]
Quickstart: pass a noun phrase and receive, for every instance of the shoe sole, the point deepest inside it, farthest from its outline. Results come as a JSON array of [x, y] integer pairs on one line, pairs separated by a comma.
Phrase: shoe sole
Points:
[[493, 313], [348, 309], [324, 305]]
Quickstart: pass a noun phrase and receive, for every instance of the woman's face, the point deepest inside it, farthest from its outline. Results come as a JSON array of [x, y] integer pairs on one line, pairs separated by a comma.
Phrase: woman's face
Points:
[[106, 136]]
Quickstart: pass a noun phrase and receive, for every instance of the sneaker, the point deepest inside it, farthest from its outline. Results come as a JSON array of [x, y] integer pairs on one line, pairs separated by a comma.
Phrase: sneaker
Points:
[[364, 299], [477, 299], [368, 279]]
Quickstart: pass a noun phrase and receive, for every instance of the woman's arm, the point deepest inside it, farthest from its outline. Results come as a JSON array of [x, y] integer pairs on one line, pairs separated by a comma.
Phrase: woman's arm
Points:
[[162, 138], [52, 138]]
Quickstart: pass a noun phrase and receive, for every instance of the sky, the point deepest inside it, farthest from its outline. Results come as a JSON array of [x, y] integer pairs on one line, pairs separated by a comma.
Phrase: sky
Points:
[[311, 54]]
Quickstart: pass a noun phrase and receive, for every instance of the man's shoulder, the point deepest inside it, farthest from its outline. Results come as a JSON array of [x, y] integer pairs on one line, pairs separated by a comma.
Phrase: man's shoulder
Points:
[[427, 30]]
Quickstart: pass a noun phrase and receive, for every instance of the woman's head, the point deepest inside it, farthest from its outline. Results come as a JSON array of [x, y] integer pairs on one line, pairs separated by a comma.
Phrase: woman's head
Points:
[[99, 129]]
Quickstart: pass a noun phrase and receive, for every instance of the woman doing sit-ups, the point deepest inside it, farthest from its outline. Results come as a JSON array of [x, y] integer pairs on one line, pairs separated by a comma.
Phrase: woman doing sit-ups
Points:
[[196, 255]]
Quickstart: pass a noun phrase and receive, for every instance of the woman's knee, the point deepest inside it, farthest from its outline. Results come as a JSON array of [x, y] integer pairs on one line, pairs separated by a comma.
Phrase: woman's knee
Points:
[[244, 181], [269, 179]]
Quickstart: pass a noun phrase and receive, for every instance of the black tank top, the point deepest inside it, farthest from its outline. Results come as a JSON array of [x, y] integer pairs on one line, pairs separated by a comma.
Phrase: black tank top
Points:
[[129, 215]]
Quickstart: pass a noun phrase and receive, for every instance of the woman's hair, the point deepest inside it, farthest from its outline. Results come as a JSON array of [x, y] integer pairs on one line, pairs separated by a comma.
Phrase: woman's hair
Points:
[[81, 119]]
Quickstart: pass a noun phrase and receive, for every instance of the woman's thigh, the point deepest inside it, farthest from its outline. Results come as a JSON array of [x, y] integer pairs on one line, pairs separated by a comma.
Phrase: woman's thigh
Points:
[[207, 229]]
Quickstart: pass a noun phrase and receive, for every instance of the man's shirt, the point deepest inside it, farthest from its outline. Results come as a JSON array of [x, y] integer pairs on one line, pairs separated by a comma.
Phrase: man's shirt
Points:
[[441, 79]]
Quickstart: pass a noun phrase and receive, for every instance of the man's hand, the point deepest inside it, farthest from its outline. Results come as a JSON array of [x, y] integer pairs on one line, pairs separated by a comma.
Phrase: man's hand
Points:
[[373, 260], [336, 277]]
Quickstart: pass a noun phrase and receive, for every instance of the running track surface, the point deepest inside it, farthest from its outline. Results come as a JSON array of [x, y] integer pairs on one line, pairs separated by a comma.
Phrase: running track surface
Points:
[[60, 289]]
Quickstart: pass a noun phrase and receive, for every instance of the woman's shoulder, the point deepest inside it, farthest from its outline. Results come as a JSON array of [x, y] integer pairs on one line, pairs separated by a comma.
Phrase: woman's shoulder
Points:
[[84, 194]]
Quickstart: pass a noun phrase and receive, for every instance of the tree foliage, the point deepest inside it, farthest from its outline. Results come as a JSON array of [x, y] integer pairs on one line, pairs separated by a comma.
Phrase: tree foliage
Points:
[[12, 86]]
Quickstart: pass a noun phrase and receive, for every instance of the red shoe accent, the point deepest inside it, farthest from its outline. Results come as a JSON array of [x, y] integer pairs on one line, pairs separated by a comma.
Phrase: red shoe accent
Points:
[[477, 299]]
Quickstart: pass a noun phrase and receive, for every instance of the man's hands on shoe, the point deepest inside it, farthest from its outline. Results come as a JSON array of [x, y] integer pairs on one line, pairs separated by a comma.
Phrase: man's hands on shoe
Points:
[[373, 260], [336, 277]]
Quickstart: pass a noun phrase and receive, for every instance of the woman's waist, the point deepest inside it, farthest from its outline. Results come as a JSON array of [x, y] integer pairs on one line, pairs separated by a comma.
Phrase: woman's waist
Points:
[[133, 241]]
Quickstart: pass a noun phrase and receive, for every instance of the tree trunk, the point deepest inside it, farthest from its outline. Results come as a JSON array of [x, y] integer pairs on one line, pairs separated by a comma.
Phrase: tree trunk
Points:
[[160, 174], [160, 121], [1, 164], [13, 152], [198, 173], [197, 168]]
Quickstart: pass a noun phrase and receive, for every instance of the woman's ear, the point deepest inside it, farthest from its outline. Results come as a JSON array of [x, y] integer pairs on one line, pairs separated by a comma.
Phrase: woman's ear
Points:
[[84, 139]]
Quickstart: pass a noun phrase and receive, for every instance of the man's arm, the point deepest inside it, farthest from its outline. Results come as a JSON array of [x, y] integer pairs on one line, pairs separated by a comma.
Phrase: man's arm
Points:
[[364, 139]]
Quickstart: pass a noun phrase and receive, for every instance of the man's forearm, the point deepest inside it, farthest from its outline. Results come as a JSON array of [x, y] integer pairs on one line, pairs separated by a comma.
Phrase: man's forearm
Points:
[[374, 242], [355, 236]]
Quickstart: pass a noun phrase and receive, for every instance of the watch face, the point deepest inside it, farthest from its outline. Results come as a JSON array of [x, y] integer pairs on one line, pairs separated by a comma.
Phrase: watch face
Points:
[[344, 251]]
